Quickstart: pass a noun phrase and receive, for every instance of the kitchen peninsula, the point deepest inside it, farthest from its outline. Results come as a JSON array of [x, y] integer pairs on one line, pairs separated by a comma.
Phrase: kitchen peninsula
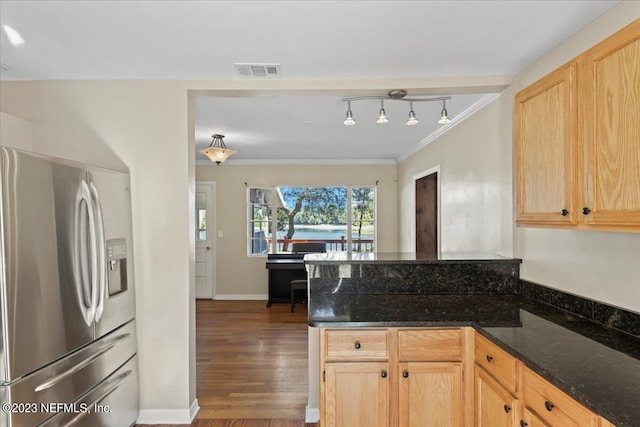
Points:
[[385, 317]]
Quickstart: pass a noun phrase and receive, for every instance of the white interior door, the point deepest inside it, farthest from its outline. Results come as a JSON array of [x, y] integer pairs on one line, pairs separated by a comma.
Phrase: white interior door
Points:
[[205, 249]]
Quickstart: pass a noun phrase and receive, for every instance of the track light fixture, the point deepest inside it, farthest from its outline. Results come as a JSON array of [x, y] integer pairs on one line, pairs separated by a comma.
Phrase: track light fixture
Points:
[[396, 95], [444, 116], [217, 151]]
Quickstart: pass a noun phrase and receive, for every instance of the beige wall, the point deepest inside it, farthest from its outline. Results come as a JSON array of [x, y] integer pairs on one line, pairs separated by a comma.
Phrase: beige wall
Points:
[[475, 185], [237, 273], [477, 206], [16, 132], [601, 265]]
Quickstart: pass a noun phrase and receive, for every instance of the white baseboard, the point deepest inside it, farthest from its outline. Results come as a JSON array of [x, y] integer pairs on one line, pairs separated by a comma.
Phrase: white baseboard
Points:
[[312, 415], [169, 416], [242, 297]]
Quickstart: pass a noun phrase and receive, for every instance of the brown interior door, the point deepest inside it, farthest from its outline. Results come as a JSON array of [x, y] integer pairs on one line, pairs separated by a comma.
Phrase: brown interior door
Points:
[[427, 214]]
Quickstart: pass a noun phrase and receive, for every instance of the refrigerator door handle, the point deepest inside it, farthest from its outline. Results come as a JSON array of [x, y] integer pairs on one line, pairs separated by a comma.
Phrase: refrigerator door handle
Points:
[[104, 395], [85, 277], [101, 243], [50, 382]]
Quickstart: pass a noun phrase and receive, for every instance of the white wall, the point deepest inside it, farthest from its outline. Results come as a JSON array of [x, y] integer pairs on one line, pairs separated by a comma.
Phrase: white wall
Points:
[[237, 273], [16, 132]]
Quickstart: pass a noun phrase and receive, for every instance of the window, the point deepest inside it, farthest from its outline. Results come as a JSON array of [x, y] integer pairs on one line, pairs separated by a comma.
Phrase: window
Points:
[[343, 218]]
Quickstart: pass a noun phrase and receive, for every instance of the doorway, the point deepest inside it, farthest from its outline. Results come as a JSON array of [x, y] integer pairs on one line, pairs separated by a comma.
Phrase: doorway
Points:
[[426, 213], [205, 240]]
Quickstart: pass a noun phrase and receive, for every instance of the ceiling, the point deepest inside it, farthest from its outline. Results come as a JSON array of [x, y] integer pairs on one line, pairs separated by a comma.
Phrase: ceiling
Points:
[[310, 40]]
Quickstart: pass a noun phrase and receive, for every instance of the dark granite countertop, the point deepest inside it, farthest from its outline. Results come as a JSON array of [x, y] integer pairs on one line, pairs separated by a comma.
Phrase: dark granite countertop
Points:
[[596, 365], [405, 257]]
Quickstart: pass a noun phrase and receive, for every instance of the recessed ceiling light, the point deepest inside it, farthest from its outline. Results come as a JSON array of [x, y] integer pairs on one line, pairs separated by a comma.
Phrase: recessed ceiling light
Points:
[[14, 37]]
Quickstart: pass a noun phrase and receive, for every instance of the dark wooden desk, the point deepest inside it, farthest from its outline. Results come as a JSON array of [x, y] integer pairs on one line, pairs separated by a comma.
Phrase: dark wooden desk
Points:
[[283, 268]]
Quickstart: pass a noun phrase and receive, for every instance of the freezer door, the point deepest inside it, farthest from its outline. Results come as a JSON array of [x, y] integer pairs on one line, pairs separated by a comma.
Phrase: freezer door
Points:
[[113, 403], [69, 379], [45, 279], [112, 200]]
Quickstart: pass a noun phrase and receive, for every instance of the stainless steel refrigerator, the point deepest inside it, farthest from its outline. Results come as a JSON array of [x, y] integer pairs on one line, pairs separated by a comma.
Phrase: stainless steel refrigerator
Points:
[[67, 324]]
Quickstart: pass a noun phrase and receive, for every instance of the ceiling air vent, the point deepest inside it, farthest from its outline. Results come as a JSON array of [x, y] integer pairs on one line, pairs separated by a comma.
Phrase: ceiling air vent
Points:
[[258, 70]]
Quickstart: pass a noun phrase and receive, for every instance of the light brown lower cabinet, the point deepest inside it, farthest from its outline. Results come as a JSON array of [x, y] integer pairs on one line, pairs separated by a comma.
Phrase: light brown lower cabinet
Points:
[[430, 394], [494, 405], [415, 377], [356, 394], [408, 377], [529, 419]]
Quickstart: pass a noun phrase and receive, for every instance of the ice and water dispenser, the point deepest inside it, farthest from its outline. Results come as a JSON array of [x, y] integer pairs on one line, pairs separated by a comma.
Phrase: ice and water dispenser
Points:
[[117, 265]]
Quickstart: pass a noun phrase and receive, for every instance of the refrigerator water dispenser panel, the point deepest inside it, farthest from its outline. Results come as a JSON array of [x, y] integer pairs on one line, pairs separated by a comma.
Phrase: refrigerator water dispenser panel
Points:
[[117, 265]]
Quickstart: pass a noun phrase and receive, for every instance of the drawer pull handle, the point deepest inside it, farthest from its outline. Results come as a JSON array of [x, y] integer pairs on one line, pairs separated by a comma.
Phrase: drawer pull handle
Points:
[[507, 408], [564, 212], [586, 211], [357, 345], [548, 405], [405, 374], [383, 374], [489, 358], [523, 423]]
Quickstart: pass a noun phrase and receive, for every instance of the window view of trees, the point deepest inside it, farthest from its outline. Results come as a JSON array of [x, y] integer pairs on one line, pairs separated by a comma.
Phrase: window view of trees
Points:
[[314, 214]]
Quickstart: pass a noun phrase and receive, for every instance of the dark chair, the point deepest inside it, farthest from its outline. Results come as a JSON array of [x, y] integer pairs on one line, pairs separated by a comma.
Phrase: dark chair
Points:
[[301, 284]]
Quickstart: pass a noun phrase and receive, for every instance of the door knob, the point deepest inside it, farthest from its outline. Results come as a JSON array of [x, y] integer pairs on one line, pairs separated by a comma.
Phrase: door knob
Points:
[[208, 248]]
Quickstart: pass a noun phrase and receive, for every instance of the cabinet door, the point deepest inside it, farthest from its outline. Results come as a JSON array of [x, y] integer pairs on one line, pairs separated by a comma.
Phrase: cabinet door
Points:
[[356, 394], [529, 419], [495, 406], [612, 129], [546, 137], [430, 394]]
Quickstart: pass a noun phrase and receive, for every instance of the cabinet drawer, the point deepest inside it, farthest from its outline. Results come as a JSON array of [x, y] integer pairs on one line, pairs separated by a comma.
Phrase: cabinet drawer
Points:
[[430, 345], [356, 344], [553, 405], [497, 362]]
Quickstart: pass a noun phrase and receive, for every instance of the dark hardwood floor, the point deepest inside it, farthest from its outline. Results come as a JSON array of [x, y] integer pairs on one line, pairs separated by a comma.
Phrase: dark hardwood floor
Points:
[[251, 364]]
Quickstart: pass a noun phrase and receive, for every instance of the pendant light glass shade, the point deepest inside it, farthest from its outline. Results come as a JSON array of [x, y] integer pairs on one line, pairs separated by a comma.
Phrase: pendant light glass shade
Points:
[[217, 151], [349, 121]]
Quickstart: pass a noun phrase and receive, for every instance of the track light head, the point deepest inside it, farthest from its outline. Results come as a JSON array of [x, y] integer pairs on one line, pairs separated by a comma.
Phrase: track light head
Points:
[[444, 116], [412, 116], [382, 118], [349, 120]]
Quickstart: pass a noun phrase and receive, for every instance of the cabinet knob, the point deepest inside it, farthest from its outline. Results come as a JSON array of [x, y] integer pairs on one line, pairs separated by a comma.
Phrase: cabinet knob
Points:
[[507, 408], [548, 405], [489, 358], [564, 212], [405, 374], [357, 345], [383, 374], [586, 211], [523, 423]]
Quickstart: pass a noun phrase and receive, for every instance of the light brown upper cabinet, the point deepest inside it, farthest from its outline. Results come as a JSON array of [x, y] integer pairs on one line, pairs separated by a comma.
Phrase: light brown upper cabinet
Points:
[[612, 129], [546, 129], [578, 140]]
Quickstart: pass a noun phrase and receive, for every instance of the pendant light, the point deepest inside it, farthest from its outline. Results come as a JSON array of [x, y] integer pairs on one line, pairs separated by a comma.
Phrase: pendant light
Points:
[[217, 151]]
